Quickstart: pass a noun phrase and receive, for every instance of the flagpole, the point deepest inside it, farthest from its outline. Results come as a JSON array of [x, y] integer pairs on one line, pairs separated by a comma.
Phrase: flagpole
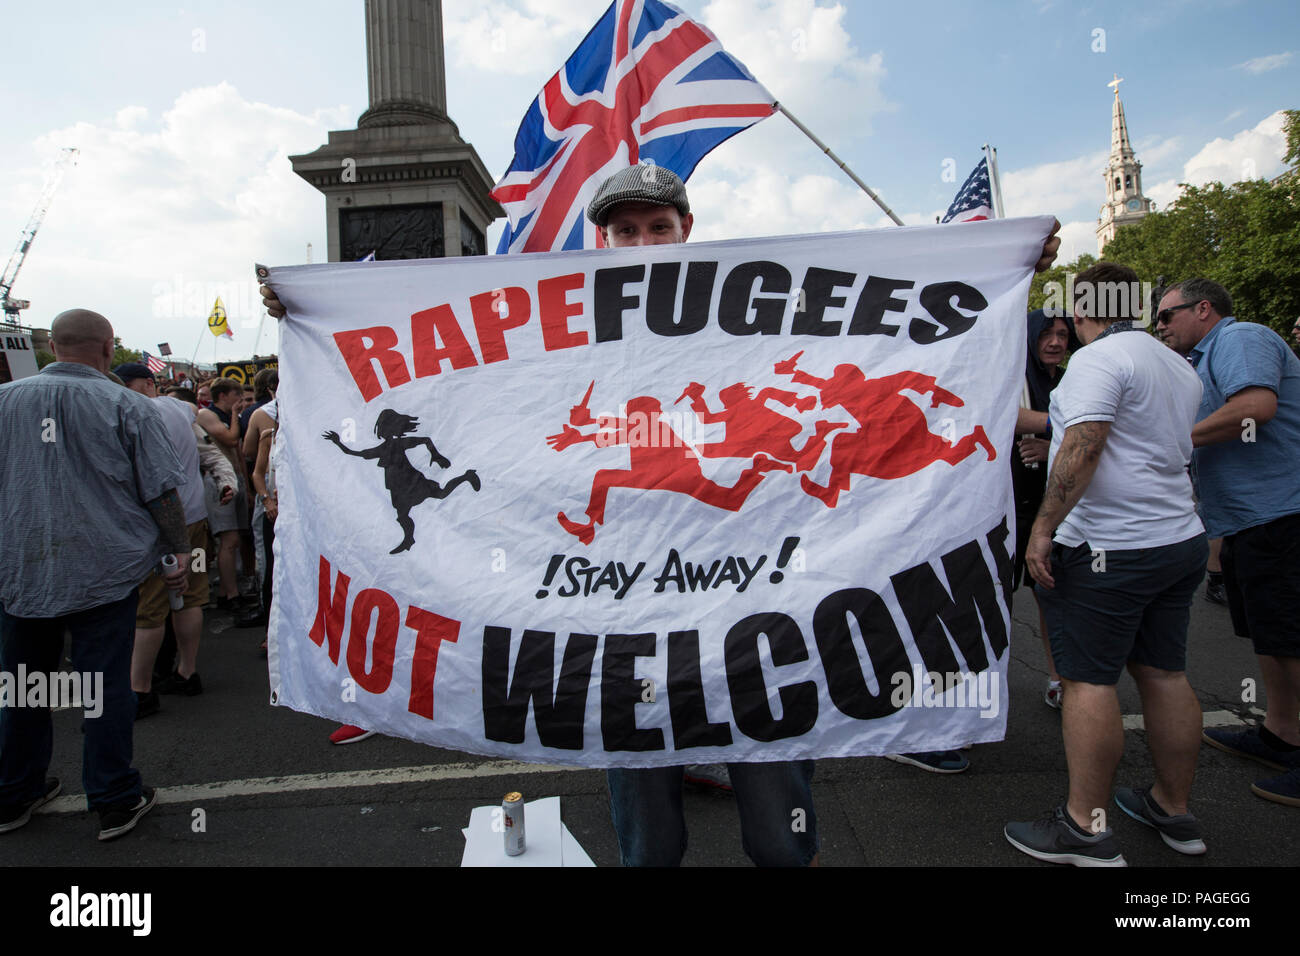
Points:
[[839, 162], [991, 154], [257, 343], [197, 345]]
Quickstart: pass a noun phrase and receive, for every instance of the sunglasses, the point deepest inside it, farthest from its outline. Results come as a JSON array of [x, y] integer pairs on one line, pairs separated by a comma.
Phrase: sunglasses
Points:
[[1164, 315]]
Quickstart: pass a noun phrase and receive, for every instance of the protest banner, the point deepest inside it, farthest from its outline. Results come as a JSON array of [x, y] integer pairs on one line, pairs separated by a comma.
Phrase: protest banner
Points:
[[17, 357], [245, 372], [726, 501]]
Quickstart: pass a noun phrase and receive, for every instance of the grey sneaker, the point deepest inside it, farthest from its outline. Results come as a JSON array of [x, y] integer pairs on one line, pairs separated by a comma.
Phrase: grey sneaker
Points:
[[1054, 839], [1052, 696], [711, 776], [1182, 832], [934, 761], [1247, 743]]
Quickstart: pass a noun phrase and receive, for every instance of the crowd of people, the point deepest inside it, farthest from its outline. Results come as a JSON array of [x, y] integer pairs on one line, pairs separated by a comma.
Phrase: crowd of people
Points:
[[1126, 464], [1160, 444]]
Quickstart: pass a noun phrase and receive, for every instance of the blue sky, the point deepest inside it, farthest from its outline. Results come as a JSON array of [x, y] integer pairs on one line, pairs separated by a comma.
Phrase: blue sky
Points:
[[184, 115]]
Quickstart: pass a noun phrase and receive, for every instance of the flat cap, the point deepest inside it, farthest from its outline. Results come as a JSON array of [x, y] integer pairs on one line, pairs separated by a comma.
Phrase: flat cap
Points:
[[129, 371], [642, 183]]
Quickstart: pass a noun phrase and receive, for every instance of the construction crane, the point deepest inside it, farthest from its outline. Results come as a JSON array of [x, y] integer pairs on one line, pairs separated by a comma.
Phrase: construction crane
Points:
[[10, 305]]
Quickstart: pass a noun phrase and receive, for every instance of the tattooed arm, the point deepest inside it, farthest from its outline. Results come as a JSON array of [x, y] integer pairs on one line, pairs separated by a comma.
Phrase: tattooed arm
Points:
[[170, 517], [1072, 470]]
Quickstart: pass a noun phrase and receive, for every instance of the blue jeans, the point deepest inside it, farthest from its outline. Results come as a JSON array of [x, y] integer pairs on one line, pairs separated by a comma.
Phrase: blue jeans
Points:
[[646, 807], [102, 638]]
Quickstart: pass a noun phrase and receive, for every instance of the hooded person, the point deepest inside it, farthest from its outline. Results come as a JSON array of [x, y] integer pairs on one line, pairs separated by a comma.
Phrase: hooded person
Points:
[[1049, 340]]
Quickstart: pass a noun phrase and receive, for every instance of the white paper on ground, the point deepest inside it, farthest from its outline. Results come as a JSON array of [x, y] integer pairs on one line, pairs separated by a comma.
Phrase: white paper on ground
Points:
[[549, 842]]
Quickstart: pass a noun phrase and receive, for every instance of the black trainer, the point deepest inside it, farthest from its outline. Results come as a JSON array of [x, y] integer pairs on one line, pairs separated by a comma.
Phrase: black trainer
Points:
[[15, 815], [174, 683], [250, 616], [1056, 840], [120, 820], [146, 705], [1214, 592], [1181, 831]]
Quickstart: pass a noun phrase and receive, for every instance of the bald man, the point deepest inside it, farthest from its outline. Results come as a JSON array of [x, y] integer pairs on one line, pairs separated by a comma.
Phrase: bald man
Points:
[[91, 507]]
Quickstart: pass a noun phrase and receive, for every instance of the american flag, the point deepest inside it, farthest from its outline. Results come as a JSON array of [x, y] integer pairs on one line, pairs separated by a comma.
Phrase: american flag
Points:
[[647, 84], [153, 362], [974, 199]]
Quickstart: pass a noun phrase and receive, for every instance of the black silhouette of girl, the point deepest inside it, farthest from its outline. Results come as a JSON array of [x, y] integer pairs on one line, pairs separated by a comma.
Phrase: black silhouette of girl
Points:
[[407, 486]]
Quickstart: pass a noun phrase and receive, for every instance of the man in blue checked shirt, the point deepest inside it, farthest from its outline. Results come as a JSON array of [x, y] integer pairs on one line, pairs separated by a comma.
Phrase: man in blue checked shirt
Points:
[[90, 506], [1247, 441]]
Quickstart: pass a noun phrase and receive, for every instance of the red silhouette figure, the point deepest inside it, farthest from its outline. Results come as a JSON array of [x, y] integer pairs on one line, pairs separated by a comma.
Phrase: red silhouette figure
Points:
[[752, 428], [893, 439], [660, 461]]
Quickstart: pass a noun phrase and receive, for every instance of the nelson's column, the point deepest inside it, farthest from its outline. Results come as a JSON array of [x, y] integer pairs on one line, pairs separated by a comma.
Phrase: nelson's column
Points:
[[403, 184]]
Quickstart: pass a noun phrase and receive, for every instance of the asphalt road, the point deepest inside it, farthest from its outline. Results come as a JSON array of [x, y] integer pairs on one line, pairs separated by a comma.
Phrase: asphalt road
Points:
[[242, 783]]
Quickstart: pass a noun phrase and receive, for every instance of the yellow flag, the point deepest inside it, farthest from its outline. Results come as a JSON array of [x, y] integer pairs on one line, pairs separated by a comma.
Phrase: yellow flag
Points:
[[217, 321]]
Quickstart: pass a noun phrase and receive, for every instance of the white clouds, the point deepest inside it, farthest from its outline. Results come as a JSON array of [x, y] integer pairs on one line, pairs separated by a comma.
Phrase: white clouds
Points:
[[521, 38], [1077, 238], [1262, 64], [1163, 193], [1251, 154], [1054, 188], [199, 194], [764, 201], [129, 117], [771, 179], [1154, 153], [1254, 153], [805, 56]]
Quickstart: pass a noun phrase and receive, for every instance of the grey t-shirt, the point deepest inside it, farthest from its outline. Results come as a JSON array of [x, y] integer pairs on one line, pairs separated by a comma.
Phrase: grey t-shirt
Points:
[[178, 418], [81, 456]]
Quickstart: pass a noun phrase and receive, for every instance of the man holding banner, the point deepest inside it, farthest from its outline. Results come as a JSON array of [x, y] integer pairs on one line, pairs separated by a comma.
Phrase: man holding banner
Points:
[[644, 206], [645, 637]]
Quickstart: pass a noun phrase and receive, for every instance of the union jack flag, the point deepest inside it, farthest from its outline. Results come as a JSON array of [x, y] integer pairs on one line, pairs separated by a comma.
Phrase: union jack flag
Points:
[[153, 362], [647, 84], [975, 198]]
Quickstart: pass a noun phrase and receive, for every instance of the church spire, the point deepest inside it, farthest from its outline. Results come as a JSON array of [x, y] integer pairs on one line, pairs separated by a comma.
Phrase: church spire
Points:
[[1125, 203], [1120, 147]]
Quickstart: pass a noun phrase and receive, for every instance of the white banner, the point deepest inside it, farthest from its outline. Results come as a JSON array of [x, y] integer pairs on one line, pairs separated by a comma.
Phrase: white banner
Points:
[[17, 358], [727, 501]]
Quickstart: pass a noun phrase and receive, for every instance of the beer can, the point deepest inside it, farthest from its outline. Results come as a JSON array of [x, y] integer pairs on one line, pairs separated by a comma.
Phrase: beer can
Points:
[[512, 816]]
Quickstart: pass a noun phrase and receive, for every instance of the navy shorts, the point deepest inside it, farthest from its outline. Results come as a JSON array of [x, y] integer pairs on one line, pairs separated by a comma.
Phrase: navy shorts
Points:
[[1112, 607], [1261, 574]]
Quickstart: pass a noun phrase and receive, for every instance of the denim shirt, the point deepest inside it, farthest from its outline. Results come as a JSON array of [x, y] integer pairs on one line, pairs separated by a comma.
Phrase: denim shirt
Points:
[[1253, 479], [81, 457]]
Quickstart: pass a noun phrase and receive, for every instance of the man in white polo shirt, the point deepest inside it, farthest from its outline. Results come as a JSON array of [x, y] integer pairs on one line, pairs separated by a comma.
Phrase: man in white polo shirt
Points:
[[1116, 581]]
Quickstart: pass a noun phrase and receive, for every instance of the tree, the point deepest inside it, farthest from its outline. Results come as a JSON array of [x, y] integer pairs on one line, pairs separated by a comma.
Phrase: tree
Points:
[[1039, 289], [43, 358], [1291, 127], [1246, 237], [121, 354]]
